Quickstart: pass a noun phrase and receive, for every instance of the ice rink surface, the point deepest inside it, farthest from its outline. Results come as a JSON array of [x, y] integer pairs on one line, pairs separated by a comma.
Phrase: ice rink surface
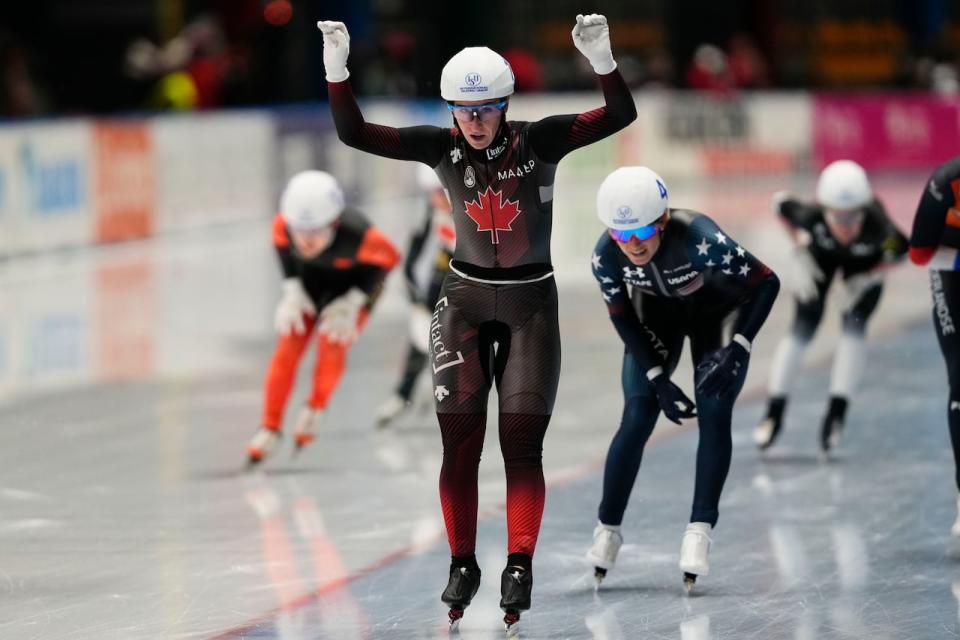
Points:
[[130, 383]]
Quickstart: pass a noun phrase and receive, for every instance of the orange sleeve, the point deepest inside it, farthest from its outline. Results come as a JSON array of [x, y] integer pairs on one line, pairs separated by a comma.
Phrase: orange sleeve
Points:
[[280, 238], [376, 250]]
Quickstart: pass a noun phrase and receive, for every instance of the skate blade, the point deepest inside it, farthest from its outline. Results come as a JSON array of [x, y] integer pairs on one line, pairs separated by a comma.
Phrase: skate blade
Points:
[[599, 573], [764, 446], [252, 464], [380, 425], [298, 447], [689, 580], [511, 624]]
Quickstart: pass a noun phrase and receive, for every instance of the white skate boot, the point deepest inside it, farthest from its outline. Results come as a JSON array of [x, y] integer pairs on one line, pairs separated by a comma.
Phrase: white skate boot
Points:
[[262, 444], [765, 433], [693, 553], [955, 529], [391, 410], [603, 554], [305, 430]]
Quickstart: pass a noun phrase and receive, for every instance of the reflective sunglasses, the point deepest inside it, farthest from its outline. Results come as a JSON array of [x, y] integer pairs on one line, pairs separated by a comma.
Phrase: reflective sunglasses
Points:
[[315, 232], [483, 112], [640, 233]]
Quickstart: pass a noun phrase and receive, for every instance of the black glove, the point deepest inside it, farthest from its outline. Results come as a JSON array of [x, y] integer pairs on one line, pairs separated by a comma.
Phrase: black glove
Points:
[[718, 371], [673, 402]]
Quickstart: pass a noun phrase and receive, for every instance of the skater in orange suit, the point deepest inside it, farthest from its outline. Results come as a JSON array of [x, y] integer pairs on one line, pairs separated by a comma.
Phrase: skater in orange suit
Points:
[[334, 264]]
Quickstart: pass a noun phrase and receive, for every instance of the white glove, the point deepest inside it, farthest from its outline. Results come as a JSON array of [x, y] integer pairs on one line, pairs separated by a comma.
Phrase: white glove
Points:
[[806, 275], [445, 231], [420, 319], [288, 318], [591, 36], [336, 48], [778, 199], [856, 286], [338, 320]]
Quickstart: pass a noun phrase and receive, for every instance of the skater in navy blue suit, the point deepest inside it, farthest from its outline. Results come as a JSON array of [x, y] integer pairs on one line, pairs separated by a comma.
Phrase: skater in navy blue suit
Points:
[[666, 274]]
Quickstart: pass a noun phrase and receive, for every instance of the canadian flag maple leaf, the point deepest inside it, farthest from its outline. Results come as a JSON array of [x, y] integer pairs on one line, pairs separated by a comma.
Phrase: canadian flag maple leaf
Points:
[[492, 214]]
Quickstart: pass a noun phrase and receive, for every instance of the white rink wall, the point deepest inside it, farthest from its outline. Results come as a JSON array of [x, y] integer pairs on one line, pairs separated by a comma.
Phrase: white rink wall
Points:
[[83, 181]]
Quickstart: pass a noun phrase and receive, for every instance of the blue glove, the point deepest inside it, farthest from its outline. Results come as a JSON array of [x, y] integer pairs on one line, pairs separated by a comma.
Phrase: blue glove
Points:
[[673, 402], [718, 372]]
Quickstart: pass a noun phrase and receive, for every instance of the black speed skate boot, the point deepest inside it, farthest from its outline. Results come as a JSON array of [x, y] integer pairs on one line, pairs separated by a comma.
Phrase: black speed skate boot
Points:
[[516, 583], [463, 585], [766, 433], [832, 429]]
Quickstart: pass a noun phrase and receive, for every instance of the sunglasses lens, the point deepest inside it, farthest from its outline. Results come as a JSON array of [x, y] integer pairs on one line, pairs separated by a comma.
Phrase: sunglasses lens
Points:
[[485, 112], [640, 233]]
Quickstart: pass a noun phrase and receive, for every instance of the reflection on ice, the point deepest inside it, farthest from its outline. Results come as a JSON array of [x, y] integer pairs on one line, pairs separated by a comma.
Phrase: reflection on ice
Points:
[[604, 625], [696, 628], [850, 553], [786, 545]]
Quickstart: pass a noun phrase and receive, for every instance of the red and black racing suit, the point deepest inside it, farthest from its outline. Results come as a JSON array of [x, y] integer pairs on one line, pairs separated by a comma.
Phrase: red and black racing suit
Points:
[[935, 241], [496, 318]]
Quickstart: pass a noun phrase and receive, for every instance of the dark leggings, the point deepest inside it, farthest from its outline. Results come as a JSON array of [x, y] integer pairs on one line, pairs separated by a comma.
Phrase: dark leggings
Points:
[[809, 314], [415, 362], [508, 335], [641, 410], [945, 287]]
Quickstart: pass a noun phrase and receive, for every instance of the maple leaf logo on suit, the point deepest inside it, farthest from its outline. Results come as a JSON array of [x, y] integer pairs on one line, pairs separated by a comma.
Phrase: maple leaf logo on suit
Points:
[[492, 214]]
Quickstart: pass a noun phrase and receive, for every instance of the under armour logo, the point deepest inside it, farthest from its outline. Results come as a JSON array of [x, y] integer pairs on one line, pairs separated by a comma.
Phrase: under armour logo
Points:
[[637, 273], [440, 392]]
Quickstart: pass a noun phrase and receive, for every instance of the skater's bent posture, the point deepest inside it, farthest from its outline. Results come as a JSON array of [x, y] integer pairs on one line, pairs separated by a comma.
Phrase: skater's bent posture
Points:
[[334, 264], [666, 274], [845, 231], [935, 242], [499, 175], [430, 250]]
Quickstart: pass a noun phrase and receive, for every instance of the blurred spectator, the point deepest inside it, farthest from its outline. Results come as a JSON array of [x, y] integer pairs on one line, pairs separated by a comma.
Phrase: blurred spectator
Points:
[[391, 72], [938, 75], [660, 69], [709, 70], [19, 94], [195, 69], [747, 64], [944, 79], [528, 73]]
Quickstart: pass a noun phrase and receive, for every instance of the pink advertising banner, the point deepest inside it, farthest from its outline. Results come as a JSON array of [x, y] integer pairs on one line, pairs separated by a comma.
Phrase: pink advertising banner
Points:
[[886, 131]]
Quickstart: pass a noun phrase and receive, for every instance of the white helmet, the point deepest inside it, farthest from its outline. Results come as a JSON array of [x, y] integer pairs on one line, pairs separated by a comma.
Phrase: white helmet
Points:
[[476, 73], [427, 179], [631, 197], [843, 185], [311, 200]]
